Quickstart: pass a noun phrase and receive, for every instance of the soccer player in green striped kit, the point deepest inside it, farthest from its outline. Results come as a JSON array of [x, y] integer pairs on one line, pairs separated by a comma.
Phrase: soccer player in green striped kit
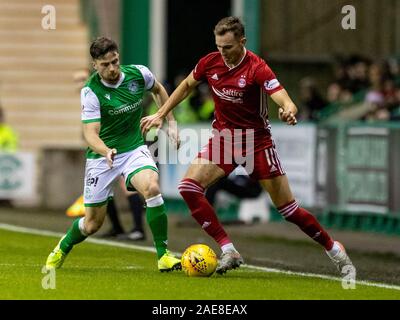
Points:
[[111, 104]]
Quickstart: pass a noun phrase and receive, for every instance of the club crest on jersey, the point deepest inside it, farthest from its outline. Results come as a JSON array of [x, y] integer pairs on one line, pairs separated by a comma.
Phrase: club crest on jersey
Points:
[[133, 86], [242, 82]]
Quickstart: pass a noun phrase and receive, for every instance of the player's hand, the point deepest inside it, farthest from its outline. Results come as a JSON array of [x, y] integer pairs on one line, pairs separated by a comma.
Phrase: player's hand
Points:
[[110, 157], [146, 123], [173, 133], [287, 116]]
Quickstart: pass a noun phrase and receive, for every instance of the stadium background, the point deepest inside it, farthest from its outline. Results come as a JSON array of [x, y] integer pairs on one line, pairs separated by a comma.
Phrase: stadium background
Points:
[[351, 154]]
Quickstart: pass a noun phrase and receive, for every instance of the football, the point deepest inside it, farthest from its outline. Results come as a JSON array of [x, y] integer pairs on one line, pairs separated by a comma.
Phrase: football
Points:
[[199, 260]]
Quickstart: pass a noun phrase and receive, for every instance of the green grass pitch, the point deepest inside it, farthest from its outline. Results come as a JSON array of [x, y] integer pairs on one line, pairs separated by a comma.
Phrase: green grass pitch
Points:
[[95, 271]]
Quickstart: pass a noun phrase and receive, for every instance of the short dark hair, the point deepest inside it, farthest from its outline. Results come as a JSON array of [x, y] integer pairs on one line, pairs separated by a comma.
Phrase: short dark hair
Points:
[[101, 46], [230, 24]]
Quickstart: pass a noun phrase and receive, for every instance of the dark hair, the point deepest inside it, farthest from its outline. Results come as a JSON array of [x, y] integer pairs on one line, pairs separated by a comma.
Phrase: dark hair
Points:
[[230, 24], [101, 46]]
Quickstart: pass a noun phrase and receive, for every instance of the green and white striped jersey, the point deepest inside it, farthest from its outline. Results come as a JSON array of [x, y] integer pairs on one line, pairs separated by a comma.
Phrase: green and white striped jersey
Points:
[[117, 107]]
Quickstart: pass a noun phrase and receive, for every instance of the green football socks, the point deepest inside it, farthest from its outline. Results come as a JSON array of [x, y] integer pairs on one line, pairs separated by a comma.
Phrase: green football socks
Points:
[[158, 222], [73, 236]]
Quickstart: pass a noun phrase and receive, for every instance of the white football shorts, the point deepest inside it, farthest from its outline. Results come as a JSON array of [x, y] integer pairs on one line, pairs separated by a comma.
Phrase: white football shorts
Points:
[[100, 178]]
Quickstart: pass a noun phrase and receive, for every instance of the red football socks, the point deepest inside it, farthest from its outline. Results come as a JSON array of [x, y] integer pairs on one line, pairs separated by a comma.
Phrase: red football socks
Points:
[[307, 223], [193, 194]]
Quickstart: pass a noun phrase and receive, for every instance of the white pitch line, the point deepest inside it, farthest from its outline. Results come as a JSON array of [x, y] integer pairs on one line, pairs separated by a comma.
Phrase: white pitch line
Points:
[[59, 235], [36, 265], [323, 276], [39, 232]]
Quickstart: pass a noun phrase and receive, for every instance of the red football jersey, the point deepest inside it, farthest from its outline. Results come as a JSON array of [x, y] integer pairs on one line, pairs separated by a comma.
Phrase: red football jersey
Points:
[[239, 93]]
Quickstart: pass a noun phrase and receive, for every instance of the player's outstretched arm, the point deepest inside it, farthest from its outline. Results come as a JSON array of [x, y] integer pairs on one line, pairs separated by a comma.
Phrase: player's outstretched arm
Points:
[[91, 134], [160, 96], [180, 93], [287, 109]]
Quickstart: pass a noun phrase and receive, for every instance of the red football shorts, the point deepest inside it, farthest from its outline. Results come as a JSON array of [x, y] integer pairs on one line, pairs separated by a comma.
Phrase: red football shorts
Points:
[[260, 164]]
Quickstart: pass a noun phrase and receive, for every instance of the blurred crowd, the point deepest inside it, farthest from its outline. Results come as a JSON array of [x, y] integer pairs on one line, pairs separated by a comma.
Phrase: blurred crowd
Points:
[[370, 90], [359, 89]]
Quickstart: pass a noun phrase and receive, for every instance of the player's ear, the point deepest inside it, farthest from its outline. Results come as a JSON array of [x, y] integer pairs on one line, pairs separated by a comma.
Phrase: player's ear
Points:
[[94, 65], [243, 41]]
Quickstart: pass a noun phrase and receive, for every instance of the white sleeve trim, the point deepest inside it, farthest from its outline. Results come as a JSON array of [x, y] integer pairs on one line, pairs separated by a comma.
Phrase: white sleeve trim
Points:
[[90, 105], [148, 76]]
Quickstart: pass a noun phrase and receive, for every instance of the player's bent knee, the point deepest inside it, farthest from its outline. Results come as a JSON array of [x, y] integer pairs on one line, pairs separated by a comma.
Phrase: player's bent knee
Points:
[[152, 190]]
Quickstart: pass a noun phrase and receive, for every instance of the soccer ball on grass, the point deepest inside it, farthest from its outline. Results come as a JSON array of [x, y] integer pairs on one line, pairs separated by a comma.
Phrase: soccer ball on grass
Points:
[[199, 260]]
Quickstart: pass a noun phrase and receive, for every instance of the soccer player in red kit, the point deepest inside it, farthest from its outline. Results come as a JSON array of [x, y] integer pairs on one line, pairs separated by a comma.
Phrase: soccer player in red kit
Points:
[[239, 80]]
